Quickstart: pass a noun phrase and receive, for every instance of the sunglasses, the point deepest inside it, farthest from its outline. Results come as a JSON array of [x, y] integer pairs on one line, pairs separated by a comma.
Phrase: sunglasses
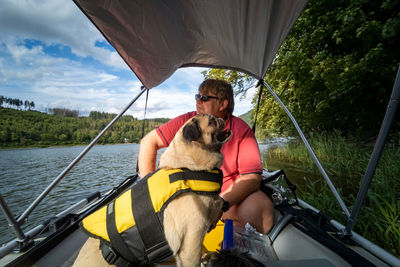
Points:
[[204, 98]]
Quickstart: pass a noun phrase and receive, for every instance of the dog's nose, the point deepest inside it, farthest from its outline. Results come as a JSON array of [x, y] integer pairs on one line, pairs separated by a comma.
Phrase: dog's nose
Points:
[[213, 121]]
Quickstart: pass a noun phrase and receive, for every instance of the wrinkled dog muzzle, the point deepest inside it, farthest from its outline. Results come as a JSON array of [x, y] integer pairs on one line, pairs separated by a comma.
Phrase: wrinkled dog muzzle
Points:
[[221, 136]]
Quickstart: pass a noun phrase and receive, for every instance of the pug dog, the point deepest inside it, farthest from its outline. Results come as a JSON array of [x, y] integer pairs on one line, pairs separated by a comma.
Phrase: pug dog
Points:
[[187, 217]]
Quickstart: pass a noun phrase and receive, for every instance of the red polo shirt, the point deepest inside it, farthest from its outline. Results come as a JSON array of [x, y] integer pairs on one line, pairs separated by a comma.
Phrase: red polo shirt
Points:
[[241, 153]]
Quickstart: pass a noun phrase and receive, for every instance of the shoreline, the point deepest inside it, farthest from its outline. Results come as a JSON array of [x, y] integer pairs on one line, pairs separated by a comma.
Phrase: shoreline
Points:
[[65, 145]]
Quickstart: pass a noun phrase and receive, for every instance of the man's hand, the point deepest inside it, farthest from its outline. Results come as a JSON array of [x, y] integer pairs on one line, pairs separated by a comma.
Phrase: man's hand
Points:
[[218, 217]]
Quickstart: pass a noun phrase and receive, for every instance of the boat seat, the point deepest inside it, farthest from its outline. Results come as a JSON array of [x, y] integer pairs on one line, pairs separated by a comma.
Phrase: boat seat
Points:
[[299, 263], [291, 263]]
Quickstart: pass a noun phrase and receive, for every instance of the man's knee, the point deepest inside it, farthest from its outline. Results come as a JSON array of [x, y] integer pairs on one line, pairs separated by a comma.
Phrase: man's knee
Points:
[[257, 202], [257, 209]]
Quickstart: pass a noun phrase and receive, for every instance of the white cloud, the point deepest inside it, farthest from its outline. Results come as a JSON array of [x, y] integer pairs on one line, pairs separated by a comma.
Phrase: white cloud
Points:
[[55, 22], [19, 52], [50, 81]]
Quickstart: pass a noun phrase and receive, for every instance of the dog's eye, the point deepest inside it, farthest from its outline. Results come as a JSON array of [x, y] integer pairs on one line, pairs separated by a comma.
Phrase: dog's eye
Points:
[[212, 122]]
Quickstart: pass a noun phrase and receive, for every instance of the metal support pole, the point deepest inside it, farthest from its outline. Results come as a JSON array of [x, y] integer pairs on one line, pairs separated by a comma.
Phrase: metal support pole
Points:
[[311, 152], [26, 213], [11, 220], [376, 153]]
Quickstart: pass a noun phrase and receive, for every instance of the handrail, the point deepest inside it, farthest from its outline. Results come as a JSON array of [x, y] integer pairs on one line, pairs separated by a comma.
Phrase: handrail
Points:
[[11, 245], [311, 152], [376, 153], [5, 249], [26, 213]]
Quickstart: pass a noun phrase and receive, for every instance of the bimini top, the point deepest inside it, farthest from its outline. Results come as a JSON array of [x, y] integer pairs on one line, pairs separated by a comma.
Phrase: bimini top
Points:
[[156, 37]]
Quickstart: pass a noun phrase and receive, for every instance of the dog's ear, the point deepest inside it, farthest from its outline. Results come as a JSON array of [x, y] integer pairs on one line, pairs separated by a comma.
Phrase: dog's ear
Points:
[[191, 131]]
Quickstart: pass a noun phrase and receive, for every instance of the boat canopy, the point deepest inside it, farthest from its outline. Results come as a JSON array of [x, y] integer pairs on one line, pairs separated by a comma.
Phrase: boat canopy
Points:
[[156, 37]]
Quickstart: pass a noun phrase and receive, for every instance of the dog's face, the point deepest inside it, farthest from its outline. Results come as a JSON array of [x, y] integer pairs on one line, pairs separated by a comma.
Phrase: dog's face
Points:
[[197, 145], [206, 130]]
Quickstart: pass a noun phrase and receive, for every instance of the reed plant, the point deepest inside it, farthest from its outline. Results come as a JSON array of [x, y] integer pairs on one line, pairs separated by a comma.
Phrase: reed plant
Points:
[[345, 161]]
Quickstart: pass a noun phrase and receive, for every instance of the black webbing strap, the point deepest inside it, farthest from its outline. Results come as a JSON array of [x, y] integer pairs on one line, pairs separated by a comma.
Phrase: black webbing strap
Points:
[[261, 84], [148, 224], [197, 175], [115, 239], [112, 257]]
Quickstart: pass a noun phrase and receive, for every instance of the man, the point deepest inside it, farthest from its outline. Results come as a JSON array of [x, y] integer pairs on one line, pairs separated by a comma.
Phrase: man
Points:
[[242, 164]]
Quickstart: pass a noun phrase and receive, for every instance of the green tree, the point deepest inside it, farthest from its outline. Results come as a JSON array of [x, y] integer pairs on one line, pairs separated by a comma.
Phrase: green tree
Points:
[[337, 67], [27, 128], [238, 80]]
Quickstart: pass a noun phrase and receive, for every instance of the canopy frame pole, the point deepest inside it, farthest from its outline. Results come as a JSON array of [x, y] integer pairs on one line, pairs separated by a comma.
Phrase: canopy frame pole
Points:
[[261, 85], [21, 219], [376, 153], [311, 152], [11, 220]]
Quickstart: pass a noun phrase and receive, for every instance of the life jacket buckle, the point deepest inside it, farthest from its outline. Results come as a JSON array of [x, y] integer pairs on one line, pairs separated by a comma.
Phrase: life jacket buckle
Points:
[[109, 254]]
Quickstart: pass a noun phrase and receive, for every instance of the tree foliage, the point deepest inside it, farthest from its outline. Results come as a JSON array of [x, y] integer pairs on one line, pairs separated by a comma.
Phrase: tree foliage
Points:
[[237, 79], [33, 128], [15, 102], [64, 112], [336, 68]]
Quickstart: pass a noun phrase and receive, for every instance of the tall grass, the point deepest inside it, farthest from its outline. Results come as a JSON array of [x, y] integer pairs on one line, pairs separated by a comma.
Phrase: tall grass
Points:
[[345, 161]]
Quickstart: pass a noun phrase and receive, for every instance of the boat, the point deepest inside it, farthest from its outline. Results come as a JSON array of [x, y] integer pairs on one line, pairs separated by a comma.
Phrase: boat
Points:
[[155, 38]]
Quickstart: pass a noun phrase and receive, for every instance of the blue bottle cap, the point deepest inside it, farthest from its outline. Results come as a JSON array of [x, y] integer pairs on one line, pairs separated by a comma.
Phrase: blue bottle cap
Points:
[[227, 243]]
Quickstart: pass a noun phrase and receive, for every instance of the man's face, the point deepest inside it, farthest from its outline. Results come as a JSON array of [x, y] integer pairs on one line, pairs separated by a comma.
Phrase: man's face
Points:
[[212, 106]]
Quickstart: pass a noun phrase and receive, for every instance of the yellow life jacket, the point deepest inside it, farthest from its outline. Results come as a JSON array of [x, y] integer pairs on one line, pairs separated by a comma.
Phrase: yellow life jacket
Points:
[[132, 224]]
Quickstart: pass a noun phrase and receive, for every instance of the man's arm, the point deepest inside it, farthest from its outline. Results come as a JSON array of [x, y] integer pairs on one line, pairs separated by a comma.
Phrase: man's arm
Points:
[[149, 145], [245, 185]]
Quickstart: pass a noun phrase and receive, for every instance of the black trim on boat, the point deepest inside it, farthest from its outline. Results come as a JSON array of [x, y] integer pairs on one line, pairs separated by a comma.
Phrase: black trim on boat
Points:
[[57, 231], [43, 247], [317, 226], [279, 226]]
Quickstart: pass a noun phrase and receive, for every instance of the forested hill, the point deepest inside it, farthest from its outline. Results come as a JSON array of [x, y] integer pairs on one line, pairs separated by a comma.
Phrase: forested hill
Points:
[[20, 128]]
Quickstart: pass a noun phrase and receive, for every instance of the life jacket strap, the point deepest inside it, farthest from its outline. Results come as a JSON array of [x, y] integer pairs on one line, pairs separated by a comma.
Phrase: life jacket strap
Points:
[[149, 225], [187, 174], [115, 239], [112, 257]]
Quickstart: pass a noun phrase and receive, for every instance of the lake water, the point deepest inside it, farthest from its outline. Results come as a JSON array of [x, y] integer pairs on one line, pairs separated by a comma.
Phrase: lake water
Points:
[[25, 173]]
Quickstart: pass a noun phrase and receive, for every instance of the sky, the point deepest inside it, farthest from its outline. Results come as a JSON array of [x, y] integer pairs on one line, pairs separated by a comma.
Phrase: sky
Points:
[[51, 54]]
